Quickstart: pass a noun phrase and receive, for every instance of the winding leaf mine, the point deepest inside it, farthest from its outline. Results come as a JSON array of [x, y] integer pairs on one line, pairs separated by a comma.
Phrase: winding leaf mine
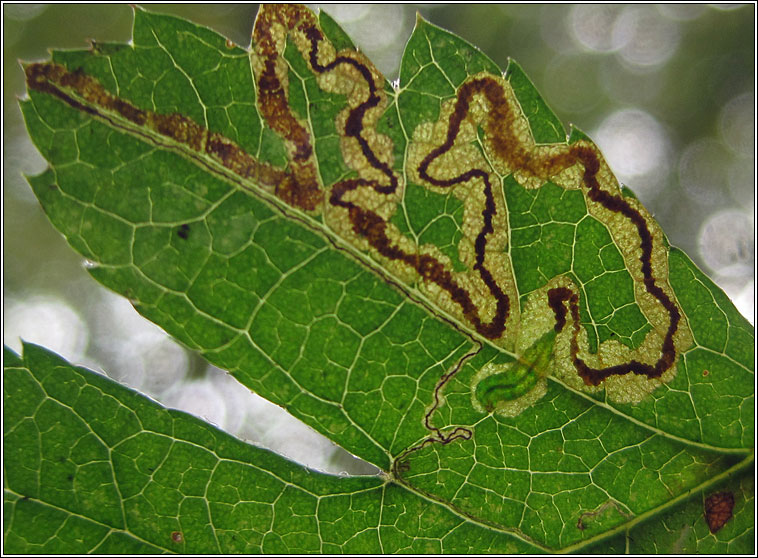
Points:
[[516, 317], [359, 209]]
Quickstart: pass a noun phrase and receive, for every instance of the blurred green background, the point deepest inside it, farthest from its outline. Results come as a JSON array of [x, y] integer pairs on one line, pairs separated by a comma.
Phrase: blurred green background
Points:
[[666, 91]]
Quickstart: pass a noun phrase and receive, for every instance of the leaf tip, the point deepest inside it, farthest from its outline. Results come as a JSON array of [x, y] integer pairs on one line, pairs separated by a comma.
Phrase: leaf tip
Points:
[[29, 348], [420, 21]]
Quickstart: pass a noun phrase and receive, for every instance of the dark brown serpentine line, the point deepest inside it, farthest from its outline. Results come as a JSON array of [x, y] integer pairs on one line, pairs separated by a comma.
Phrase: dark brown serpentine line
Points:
[[557, 297], [54, 79], [366, 223], [298, 185], [372, 227], [500, 126]]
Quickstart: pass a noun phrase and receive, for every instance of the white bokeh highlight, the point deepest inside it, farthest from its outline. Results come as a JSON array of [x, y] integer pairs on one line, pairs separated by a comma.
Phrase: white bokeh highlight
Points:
[[643, 38], [48, 322], [637, 148], [592, 26], [138, 353], [741, 181], [737, 124], [727, 243]]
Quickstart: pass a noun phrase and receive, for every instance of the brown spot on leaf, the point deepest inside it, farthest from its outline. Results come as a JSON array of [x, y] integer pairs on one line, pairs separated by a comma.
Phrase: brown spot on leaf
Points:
[[403, 466], [718, 510], [177, 537]]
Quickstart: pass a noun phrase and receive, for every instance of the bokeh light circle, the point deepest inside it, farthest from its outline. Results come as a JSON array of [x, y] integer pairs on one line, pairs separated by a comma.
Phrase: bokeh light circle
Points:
[[45, 321], [633, 142], [645, 39], [737, 124], [727, 243], [592, 26]]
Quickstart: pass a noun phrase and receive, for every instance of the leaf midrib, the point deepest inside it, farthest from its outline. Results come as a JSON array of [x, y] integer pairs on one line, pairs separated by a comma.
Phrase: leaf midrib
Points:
[[654, 429], [636, 520], [621, 528], [516, 533]]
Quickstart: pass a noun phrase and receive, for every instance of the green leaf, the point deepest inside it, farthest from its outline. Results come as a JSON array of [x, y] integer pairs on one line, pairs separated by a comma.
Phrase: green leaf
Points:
[[683, 530], [95, 467], [368, 256]]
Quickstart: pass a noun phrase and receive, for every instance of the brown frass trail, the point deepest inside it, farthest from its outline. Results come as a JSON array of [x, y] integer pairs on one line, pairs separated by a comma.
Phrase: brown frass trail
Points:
[[503, 140], [272, 25], [372, 227], [559, 296], [496, 327], [299, 185], [618, 204], [85, 93]]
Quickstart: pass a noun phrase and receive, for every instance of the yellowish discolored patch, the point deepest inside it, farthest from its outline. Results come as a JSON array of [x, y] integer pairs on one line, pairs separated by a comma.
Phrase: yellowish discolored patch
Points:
[[488, 102], [464, 155]]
